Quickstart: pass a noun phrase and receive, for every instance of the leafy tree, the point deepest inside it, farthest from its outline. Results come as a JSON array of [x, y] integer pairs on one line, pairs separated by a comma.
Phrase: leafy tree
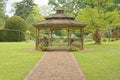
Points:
[[35, 16], [97, 22], [70, 6], [47, 10], [3, 17], [73, 6], [2, 5], [24, 8], [114, 22]]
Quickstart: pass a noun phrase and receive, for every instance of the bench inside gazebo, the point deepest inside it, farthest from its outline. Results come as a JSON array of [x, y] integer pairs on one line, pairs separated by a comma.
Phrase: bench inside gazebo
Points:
[[57, 22]]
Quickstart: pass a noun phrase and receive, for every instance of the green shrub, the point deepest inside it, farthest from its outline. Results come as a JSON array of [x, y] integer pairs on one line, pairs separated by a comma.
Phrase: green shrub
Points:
[[3, 35], [15, 36], [73, 48], [8, 36], [104, 40], [16, 27], [16, 23], [43, 48]]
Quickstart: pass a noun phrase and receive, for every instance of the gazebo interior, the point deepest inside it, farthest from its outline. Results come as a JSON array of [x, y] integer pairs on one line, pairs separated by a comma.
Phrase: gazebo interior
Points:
[[56, 23]]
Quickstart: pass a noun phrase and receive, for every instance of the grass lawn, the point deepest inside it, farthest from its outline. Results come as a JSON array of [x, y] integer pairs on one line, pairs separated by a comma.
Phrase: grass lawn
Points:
[[17, 59], [100, 62]]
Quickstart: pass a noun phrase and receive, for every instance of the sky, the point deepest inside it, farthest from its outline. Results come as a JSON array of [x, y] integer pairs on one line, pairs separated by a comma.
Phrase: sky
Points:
[[10, 2]]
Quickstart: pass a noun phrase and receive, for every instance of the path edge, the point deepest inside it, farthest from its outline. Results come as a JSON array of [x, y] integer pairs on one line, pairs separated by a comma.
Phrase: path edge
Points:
[[81, 72], [32, 70]]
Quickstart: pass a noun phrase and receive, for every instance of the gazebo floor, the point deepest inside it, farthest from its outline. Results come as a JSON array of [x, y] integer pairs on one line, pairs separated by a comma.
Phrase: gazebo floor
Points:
[[58, 48]]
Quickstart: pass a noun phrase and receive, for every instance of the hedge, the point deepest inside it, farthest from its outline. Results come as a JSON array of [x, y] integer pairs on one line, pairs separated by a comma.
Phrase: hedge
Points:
[[7, 35]]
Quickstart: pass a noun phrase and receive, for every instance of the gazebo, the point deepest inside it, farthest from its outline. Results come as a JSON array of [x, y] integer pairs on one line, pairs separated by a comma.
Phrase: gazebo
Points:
[[59, 21]]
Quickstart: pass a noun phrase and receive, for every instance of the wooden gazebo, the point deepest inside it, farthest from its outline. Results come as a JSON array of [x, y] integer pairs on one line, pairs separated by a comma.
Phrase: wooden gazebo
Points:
[[59, 21]]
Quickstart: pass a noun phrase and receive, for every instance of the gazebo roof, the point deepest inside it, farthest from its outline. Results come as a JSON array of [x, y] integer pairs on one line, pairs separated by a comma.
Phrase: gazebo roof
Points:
[[59, 19]]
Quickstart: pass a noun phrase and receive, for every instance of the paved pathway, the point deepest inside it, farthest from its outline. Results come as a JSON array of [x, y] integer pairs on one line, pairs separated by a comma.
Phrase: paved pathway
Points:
[[56, 66]]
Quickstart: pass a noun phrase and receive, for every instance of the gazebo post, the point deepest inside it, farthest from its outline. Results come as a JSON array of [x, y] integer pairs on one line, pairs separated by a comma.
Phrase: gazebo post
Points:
[[51, 31], [38, 37], [49, 37], [69, 37], [81, 38], [36, 44]]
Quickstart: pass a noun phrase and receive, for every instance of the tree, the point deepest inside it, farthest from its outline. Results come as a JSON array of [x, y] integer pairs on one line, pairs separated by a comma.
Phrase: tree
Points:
[[3, 17], [70, 6], [47, 10], [35, 16], [96, 22], [24, 8], [73, 6]]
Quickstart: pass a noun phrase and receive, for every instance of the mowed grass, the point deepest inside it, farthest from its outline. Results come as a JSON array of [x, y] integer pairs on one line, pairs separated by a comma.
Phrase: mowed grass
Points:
[[100, 62], [17, 59]]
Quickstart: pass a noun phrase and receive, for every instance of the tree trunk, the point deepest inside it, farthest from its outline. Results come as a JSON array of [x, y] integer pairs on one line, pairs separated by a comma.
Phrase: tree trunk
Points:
[[97, 36]]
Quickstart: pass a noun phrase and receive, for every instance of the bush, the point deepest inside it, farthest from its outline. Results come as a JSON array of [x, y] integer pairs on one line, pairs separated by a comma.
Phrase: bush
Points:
[[16, 23], [3, 35], [16, 27], [43, 48], [104, 40], [8, 36], [73, 48], [15, 36]]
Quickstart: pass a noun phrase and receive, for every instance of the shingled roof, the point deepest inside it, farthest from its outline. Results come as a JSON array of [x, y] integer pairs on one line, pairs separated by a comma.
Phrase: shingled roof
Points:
[[59, 19]]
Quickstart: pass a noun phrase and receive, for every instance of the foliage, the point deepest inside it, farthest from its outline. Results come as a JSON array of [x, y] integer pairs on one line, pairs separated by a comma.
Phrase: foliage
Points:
[[97, 21], [70, 6], [17, 59], [36, 11], [112, 17], [15, 36], [33, 17], [3, 34], [2, 5], [104, 40], [73, 6], [92, 18], [101, 3], [3, 17], [47, 10], [43, 47], [16, 23], [94, 21], [73, 48], [31, 32], [16, 28], [100, 62], [24, 8], [7, 35]]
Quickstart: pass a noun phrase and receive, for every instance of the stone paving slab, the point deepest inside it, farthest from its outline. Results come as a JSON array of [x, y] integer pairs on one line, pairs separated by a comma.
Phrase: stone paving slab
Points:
[[56, 66]]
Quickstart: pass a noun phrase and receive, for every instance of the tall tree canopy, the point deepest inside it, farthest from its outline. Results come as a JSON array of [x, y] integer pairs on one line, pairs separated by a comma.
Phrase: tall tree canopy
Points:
[[34, 16], [3, 17], [97, 22], [24, 8], [70, 6]]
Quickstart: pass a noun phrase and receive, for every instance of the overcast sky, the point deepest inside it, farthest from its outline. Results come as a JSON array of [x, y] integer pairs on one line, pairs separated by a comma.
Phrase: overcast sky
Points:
[[10, 2]]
